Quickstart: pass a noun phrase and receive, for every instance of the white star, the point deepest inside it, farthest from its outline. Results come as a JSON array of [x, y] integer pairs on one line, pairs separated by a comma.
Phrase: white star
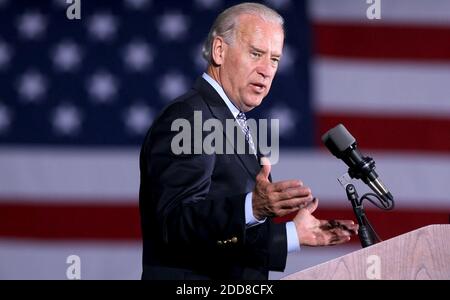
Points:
[[5, 118], [31, 25], [66, 119], [66, 56], [102, 87], [32, 86], [137, 4], [172, 85], [138, 56], [286, 118], [287, 60], [208, 4], [197, 57], [173, 26], [102, 26], [279, 4], [5, 55], [138, 118]]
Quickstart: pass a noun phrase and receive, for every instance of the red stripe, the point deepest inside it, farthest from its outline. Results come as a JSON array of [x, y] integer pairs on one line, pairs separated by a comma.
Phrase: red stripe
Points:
[[69, 221], [121, 222], [375, 41], [391, 132], [387, 224]]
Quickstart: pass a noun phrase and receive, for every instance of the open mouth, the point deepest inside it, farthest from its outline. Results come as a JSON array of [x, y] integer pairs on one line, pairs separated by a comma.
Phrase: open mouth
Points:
[[259, 87]]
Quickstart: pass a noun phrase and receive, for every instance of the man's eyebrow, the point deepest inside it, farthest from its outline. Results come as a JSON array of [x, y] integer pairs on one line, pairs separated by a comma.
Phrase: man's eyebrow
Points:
[[257, 49], [262, 51]]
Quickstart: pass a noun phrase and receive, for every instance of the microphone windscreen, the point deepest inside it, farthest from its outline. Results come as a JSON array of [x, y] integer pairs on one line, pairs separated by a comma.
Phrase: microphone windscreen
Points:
[[338, 139]]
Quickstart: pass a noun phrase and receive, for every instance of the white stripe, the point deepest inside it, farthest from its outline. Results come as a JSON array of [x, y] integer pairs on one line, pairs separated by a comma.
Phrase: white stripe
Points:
[[420, 179], [354, 86], [28, 259], [392, 11], [415, 180], [73, 174], [32, 260]]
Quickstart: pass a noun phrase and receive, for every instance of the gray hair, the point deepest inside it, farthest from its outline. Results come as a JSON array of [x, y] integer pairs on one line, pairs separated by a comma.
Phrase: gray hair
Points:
[[225, 24]]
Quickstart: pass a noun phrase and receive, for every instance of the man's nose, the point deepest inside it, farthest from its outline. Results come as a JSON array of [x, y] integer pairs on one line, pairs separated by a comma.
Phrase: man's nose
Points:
[[266, 68]]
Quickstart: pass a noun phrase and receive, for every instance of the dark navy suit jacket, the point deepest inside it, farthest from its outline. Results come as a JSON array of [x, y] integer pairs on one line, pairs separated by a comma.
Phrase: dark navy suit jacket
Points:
[[192, 205]]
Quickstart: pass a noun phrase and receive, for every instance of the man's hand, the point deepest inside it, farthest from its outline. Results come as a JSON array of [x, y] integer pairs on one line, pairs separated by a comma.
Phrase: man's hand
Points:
[[279, 198], [314, 232]]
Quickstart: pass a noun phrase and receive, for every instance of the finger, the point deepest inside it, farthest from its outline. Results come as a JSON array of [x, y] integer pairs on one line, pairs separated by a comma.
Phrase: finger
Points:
[[353, 229], [300, 202], [264, 161], [338, 236], [284, 212], [341, 232], [312, 206], [331, 225], [298, 192], [265, 171], [339, 240], [280, 186], [332, 238], [348, 225], [345, 222]]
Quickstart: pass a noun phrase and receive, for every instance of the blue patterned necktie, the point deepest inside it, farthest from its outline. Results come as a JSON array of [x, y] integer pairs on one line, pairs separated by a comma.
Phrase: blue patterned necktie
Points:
[[242, 121]]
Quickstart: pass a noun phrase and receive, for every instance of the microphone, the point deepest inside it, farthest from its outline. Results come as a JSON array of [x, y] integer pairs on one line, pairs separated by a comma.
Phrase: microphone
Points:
[[343, 145]]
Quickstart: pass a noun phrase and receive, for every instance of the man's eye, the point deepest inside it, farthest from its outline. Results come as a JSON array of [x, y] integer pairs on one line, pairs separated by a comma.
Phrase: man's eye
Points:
[[255, 54], [275, 61]]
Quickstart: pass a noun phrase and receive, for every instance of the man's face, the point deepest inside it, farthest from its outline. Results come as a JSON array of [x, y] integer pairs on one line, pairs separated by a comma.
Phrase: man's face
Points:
[[251, 61]]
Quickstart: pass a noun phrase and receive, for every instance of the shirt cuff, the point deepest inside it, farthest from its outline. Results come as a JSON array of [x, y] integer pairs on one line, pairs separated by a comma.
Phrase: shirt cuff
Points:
[[293, 244], [250, 219]]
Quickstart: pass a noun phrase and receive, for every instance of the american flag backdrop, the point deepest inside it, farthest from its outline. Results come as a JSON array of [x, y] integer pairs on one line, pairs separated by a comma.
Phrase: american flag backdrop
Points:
[[77, 97]]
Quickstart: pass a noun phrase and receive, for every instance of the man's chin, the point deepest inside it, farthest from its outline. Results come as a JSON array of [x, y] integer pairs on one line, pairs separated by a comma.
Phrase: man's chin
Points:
[[251, 104]]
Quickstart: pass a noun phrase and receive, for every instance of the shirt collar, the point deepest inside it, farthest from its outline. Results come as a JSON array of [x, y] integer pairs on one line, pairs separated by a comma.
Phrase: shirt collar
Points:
[[234, 110]]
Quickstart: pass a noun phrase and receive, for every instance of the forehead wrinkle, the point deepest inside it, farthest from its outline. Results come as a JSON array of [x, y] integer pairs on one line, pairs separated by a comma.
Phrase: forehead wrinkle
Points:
[[249, 32]]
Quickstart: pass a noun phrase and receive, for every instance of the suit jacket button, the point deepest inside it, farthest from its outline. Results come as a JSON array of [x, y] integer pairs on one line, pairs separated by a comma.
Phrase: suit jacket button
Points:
[[234, 240]]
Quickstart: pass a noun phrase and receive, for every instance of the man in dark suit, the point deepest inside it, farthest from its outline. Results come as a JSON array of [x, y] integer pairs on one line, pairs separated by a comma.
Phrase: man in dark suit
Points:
[[208, 215]]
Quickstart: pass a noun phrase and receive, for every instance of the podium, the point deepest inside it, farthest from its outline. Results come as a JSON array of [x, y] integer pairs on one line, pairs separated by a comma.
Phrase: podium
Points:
[[420, 254]]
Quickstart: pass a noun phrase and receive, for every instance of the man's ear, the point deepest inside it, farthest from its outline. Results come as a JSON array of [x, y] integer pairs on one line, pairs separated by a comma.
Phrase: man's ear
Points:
[[218, 51]]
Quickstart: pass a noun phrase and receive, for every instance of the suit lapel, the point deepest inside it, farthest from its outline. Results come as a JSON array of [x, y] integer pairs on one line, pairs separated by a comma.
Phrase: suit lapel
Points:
[[221, 112]]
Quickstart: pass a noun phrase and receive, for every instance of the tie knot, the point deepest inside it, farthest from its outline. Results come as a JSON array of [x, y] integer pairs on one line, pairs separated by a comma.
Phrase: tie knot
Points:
[[241, 116]]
